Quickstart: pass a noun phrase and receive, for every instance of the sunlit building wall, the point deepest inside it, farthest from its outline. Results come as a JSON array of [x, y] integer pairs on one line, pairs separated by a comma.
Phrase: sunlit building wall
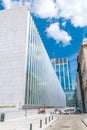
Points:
[[78, 92], [82, 73], [26, 74]]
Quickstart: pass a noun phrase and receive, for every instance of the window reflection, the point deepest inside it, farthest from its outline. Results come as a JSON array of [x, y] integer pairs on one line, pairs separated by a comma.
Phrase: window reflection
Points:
[[42, 85]]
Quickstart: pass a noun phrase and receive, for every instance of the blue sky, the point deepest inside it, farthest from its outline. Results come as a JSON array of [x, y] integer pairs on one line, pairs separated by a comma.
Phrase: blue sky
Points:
[[62, 25]]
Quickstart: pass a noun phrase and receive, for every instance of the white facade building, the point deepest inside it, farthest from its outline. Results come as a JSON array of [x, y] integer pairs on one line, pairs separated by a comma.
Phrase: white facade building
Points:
[[26, 74]]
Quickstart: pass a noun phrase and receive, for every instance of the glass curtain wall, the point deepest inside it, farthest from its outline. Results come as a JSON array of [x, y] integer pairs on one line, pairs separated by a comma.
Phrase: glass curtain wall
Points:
[[42, 85]]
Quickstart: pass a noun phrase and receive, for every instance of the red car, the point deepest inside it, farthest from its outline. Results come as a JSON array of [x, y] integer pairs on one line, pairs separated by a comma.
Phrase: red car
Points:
[[41, 111]]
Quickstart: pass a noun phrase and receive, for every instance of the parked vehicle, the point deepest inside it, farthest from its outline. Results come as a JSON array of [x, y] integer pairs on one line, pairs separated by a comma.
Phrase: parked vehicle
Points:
[[77, 111], [41, 111], [68, 111], [57, 111]]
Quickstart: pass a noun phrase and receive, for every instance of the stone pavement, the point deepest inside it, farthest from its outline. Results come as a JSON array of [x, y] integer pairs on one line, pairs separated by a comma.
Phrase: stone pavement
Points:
[[69, 122]]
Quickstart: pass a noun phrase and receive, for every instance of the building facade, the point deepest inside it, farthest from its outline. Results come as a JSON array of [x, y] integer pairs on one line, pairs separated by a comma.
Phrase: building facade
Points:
[[78, 93], [82, 71], [26, 74], [62, 69]]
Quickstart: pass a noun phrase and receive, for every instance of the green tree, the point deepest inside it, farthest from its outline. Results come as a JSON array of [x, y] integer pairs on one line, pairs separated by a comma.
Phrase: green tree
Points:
[[73, 101]]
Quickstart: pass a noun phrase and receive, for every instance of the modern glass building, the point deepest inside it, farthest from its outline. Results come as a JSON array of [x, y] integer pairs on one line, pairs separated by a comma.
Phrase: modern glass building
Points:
[[62, 69], [26, 74]]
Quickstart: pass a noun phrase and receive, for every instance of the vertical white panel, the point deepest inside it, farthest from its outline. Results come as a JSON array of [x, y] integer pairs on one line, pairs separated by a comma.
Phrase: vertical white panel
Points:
[[13, 52]]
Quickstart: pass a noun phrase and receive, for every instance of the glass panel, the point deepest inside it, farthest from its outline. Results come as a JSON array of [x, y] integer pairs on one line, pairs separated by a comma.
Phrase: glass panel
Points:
[[42, 84]]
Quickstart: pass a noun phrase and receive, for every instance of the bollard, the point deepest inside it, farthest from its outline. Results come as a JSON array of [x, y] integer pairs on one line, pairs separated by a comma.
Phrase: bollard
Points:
[[40, 123], [45, 120], [49, 118], [52, 117], [30, 126], [2, 117], [25, 112]]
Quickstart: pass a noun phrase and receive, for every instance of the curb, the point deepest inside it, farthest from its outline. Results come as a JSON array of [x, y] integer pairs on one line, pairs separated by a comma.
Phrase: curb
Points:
[[84, 122], [50, 123]]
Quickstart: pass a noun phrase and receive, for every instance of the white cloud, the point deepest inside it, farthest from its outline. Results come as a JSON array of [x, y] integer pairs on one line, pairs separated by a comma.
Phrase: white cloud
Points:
[[14, 3], [44, 8], [64, 23], [7, 3], [40, 8], [58, 34], [74, 10], [84, 40]]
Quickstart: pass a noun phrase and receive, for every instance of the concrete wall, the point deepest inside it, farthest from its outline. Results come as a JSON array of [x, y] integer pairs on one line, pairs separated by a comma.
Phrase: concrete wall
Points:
[[13, 49]]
